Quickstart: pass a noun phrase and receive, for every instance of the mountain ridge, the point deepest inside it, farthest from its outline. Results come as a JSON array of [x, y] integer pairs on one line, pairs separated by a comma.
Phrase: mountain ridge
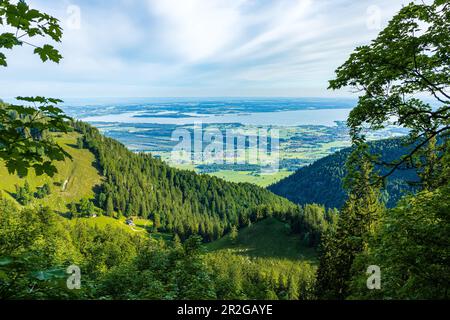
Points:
[[321, 181]]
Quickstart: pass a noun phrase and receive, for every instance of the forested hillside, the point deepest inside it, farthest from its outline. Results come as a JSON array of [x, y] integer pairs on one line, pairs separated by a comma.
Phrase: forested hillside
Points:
[[105, 178], [118, 262], [177, 201], [321, 182]]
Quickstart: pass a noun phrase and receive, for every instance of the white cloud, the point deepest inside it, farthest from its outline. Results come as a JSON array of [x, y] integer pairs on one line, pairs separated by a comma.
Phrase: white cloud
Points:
[[286, 24], [197, 29], [197, 47]]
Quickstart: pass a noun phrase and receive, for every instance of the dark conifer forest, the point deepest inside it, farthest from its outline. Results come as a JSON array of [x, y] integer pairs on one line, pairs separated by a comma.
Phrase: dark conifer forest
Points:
[[322, 181]]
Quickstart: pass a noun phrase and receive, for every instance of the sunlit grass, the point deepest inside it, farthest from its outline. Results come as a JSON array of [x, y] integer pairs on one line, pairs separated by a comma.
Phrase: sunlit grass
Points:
[[80, 174]]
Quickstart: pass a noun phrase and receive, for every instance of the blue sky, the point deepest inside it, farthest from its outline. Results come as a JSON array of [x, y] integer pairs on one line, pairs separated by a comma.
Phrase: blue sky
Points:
[[197, 48]]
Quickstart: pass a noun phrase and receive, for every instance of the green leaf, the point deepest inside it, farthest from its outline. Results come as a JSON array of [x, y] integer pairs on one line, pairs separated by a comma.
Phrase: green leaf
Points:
[[22, 8], [48, 52], [33, 14], [50, 274], [4, 261], [3, 60], [22, 170], [8, 40]]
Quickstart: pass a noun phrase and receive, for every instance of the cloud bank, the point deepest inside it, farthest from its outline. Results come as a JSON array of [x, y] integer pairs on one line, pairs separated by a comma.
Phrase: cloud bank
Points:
[[175, 48]]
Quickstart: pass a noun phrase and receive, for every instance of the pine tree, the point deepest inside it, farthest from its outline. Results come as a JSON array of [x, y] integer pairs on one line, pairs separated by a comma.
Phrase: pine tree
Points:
[[43, 191], [102, 200], [24, 194], [73, 211], [27, 187], [109, 207], [80, 143], [430, 168], [234, 234], [176, 241], [157, 221], [357, 221], [87, 208], [292, 288]]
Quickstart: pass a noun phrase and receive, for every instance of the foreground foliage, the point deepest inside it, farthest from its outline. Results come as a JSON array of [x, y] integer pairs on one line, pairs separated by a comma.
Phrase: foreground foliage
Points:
[[409, 243], [24, 142], [412, 250], [37, 246]]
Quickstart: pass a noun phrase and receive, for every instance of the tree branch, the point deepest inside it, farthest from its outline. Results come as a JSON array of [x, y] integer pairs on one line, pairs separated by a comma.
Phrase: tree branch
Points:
[[396, 166]]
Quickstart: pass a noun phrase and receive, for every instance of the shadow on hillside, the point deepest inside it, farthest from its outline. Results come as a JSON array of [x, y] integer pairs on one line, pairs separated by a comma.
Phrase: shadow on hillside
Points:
[[269, 238], [301, 253], [72, 145], [12, 194]]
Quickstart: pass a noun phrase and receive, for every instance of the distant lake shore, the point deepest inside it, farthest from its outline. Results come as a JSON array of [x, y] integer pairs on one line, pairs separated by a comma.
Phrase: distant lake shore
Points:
[[325, 117]]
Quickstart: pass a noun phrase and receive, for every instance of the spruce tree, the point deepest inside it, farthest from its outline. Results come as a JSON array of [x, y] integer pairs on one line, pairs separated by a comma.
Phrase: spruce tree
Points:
[[357, 221], [234, 234], [109, 207]]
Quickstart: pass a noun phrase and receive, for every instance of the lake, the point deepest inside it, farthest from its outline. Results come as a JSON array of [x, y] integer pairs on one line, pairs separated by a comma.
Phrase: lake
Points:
[[325, 117]]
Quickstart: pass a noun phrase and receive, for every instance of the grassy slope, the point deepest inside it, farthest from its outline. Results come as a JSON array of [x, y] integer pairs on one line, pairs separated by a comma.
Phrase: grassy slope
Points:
[[269, 238], [102, 222], [82, 177], [262, 180], [80, 173]]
